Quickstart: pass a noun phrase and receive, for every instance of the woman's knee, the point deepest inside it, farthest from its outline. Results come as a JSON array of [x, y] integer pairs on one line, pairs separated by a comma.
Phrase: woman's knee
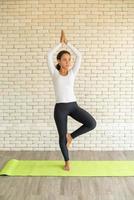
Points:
[[92, 124]]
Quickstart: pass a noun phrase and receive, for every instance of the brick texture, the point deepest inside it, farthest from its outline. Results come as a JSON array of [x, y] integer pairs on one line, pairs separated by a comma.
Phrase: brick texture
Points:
[[103, 31]]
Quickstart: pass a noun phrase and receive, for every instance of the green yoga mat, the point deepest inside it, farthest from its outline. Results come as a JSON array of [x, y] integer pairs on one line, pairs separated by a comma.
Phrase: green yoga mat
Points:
[[78, 168]]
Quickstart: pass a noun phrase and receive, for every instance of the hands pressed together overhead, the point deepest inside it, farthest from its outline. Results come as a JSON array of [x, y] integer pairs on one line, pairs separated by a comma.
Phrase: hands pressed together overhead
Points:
[[63, 38]]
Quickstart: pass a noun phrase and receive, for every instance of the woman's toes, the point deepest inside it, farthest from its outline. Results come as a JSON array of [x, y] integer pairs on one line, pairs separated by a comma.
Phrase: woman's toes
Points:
[[66, 167]]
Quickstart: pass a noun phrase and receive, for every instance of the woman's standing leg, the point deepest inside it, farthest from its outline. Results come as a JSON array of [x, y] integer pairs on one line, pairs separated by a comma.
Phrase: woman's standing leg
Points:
[[60, 117], [83, 117]]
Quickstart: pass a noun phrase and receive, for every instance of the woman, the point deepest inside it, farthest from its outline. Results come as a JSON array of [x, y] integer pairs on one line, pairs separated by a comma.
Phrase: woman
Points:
[[66, 104]]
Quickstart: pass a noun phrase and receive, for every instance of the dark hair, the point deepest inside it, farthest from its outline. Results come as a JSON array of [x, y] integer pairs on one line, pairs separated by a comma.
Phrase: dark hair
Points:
[[59, 55]]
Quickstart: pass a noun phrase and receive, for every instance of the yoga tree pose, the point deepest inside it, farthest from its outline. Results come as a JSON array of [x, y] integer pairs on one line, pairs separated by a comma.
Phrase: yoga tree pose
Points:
[[63, 77]]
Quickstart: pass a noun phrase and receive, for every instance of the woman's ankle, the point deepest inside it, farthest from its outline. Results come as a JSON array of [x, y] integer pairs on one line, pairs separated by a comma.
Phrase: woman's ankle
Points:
[[67, 162]]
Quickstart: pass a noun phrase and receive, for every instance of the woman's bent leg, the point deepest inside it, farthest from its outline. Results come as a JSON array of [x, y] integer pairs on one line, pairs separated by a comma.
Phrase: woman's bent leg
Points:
[[85, 118]]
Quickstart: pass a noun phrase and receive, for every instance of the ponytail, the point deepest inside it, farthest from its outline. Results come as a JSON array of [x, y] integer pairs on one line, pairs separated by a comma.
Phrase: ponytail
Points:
[[58, 66]]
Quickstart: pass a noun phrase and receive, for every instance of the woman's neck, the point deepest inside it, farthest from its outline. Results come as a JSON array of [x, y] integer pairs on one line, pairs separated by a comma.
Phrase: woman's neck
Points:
[[63, 71]]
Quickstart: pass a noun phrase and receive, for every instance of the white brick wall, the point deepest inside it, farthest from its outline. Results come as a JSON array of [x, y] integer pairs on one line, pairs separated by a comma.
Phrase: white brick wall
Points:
[[104, 33]]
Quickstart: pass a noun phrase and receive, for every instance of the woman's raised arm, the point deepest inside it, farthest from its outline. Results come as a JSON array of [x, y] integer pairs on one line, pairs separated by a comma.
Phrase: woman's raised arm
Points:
[[50, 54], [77, 60]]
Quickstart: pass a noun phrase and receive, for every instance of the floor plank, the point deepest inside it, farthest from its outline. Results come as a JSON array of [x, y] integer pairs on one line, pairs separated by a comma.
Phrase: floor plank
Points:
[[66, 188]]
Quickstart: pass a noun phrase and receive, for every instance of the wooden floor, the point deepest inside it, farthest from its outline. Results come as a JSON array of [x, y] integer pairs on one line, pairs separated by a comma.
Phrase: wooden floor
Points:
[[66, 188]]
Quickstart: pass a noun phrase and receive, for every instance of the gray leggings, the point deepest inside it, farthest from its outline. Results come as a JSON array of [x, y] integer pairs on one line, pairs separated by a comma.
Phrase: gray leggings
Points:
[[61, 111]]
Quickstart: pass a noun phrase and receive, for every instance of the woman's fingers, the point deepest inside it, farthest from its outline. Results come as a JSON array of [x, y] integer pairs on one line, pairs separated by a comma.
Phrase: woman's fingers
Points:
[[62, 34], [63, 38]]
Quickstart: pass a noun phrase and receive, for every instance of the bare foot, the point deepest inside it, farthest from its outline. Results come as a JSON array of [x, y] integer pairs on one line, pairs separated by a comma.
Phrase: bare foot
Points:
[[67, 166], [69, 139]]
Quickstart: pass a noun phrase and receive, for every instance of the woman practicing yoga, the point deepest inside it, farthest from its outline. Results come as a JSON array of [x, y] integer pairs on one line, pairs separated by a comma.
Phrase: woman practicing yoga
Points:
[[66, 104]]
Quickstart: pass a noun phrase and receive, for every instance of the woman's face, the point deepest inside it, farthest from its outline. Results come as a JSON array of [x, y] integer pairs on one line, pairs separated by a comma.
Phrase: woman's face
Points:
[[65, 61]]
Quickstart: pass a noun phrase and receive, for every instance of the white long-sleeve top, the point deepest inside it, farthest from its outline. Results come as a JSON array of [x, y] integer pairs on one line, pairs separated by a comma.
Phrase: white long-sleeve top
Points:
[[64, 85]]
